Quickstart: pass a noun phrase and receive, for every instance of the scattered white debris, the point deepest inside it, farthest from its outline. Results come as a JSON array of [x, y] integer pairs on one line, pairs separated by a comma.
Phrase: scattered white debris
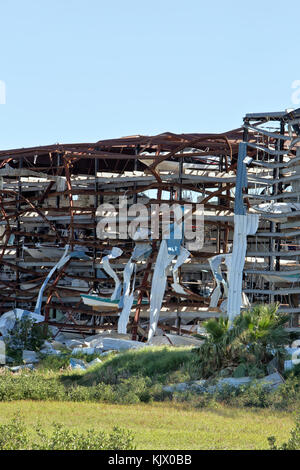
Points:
[[75, 343], [29, 357], [77, 364], [106, 353], [120, 344], [88, 351], [94, 362], [18, 368], [294, 356], [174, 340], [272, 381]]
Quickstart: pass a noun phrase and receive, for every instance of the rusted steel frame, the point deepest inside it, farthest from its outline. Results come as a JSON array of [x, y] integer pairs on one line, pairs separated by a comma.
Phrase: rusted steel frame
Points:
[[8, 230], [163, 186], [16, 214], [42, 150], [113, 193], [86, 242], [75, 308], [52, 288], [46, 192], [191, 144], [174, 328], [69, 186], [55, 210], [10, 201], [37, 279], [4, 162], [138, 308], [201, 153], [36, 235], [216, 150], [142, 289], [41, 214], [102, 155], [185, 303], [148, 270], [17, 299], [166, 140], [65, 290], [24, 210], [177, 201], [70, 316], [189, 295], [14, 268], [193, 204], [63, 308], [13, 286], [68, 326]]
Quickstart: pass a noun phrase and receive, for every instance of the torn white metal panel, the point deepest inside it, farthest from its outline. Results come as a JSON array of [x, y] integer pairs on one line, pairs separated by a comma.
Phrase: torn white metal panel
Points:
[[243, 225], [158, 285], [115, 253], [276, 211], [215, 265], [141, 251], [41, 252], [63, 260], [184, 255], [128, 297]]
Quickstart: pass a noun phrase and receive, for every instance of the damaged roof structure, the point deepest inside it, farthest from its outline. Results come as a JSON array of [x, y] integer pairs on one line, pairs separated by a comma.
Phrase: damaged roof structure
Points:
[[54, 263]]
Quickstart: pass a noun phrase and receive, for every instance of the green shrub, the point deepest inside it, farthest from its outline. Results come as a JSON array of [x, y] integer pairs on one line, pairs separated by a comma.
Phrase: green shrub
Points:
[[16, 436], [292, 444], [25, 335], [55, 363]]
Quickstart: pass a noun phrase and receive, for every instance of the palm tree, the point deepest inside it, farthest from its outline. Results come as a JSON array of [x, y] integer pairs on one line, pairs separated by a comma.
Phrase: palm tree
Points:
[[250, 342]]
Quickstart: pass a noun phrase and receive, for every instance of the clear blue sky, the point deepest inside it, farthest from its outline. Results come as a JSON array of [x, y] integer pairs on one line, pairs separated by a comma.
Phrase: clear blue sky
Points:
[[80, 71]]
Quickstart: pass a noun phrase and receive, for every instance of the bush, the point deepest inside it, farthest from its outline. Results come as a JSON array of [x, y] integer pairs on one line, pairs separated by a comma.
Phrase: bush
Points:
[[25, 335], [55, 363], [292, 444], [16, 436], [34, 385]]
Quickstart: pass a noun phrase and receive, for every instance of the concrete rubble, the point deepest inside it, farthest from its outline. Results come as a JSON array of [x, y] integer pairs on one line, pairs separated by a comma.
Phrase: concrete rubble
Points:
[[272, 382]]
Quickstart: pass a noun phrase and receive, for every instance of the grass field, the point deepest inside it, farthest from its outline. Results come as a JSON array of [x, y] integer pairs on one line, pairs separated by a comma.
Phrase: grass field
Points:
[[162, 425]]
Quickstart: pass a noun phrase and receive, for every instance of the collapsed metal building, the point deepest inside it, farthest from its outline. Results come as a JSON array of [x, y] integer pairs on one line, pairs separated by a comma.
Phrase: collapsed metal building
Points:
[[49, 198]]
